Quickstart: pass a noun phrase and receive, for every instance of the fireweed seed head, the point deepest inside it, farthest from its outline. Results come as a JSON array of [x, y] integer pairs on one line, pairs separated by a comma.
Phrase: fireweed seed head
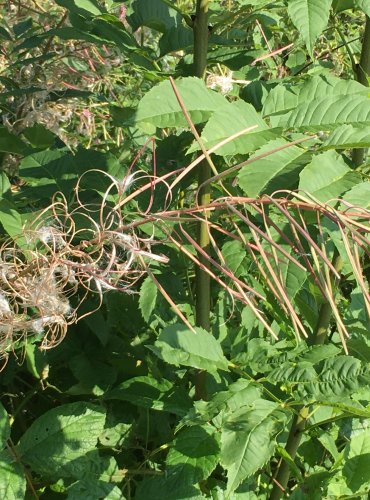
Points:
[[4, 306]]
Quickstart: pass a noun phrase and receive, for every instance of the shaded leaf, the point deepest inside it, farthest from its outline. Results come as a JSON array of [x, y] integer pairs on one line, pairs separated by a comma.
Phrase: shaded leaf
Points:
[[4, 426], [194, 454], [149, 392], [11, 143], [148, 297], [58, 443]]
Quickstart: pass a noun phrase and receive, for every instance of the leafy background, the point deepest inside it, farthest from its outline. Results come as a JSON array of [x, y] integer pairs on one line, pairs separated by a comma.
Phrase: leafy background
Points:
[[113, 411]]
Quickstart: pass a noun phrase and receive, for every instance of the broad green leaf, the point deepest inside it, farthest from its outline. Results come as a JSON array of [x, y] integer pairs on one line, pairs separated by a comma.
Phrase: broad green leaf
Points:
[[39, 136], [194, 454], [160, 107], [154, 14], [286, 97], [278, 170], [162, 487], [238, 394], [149, 392], [334, 379], [327, 177], [329, 113], [248, 439], [62, 442], [178, 345], [4, 426], [148, 297], [82, 7], [49, 171], [364, 5], [94, 376], [281, 99], [357, 462], [310, 18], [176, 38], [12, 479], [340, 5], [359, 196], [346, 137], [92, 488], [11, 143], [231, 119]]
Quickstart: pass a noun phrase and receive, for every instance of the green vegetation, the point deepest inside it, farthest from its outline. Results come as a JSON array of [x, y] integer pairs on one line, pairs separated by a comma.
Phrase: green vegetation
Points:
[[185, 219]]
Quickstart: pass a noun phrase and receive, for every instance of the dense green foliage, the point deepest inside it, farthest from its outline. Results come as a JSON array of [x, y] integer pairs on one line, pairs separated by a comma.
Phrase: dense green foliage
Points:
[[120, 378]]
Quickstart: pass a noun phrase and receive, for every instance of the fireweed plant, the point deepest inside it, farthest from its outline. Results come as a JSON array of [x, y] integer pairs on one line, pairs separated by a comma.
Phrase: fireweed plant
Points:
[[194, 324]]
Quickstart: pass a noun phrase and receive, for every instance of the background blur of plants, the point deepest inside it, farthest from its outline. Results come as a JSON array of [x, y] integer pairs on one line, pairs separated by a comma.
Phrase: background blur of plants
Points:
[[124, 374]]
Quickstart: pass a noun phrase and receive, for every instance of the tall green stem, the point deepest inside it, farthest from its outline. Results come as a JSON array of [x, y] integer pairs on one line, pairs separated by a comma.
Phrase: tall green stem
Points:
[[361, 74], [299, 420], [203, 285]]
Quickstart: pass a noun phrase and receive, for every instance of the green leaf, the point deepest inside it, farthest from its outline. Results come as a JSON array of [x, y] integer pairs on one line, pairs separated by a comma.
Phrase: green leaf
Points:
[[176, 38], [327, 177], [286, 97], [332, 380], [276, 171], [39, 136], [160, 107], [248, 439], [178, 345], [231, 119], [12, 480], [310, 18], [154, 14], [92, 488], [160, 487], [11, 143], [234, 254], [149, 392], [194, 454], [238, 394], [4, 34], [62, 442], [4, 426], [148, 298], [346, 137], [357, 462], [359, 196], [329, 113], [82, 7], [9, 215], [364, 5]]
